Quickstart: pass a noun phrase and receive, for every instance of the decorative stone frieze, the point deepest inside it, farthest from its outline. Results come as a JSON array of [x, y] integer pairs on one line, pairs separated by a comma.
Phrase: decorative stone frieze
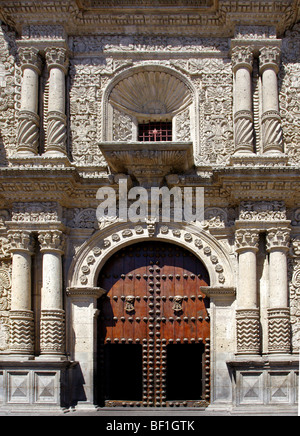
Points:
[[262, 211], [28, 127]]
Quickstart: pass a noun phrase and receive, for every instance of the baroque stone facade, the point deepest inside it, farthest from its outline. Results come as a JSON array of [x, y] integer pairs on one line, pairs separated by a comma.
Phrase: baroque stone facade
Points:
[[72, 98]]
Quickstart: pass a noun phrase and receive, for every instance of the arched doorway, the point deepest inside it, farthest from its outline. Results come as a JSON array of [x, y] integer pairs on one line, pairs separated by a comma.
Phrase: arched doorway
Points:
[[153, 328]]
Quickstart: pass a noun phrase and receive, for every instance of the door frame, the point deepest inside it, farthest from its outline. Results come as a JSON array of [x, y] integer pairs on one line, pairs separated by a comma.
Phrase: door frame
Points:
[[82, 292]]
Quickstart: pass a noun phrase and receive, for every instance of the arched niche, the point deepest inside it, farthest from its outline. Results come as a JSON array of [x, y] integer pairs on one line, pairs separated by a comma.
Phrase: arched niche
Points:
[[148, 93]]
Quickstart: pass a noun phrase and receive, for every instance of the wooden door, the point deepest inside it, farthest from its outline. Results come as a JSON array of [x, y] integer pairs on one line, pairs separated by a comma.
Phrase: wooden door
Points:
[[153, 330]]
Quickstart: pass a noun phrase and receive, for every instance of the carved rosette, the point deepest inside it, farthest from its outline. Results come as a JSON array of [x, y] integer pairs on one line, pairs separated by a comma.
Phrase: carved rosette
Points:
[[248, 331], [278, 238], [52, 333], [246, 239], [279, 330]]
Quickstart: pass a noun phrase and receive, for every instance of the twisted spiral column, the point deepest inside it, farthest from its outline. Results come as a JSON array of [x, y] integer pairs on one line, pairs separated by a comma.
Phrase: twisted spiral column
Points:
[[57, 64], [271, 121], [242, 63], [247, 313], [28, 127], [279, 337]]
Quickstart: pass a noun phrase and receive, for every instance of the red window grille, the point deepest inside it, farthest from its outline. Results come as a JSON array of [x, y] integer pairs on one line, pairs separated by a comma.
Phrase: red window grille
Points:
[[155, 131]]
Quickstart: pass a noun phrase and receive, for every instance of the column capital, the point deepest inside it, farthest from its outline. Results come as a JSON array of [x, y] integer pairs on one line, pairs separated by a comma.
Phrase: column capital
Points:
[[246, 240], [20, 240], [269, 58], [56, 57], [278, 238], [30, 58], [242, 57], [51, 240]]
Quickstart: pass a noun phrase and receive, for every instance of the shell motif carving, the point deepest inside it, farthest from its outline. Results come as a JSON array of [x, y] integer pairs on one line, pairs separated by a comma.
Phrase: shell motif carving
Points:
[[150, 92]]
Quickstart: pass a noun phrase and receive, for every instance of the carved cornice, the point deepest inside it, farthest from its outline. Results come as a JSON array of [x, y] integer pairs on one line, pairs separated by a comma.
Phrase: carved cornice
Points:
[[190, 16]]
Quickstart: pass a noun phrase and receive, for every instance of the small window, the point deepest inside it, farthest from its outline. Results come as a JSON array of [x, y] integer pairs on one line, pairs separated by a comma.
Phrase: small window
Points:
[[155, 131]]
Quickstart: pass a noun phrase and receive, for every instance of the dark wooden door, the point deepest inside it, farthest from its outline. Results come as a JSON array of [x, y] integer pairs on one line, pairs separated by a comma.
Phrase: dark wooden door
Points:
[[153, 330]]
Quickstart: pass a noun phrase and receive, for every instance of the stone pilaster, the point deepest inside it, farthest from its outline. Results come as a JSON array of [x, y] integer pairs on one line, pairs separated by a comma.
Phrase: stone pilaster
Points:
[[52, 336], [242, 62], [269, 61], [57, 64], [247, 314], [279, 338], [21, 314], [28, 126]]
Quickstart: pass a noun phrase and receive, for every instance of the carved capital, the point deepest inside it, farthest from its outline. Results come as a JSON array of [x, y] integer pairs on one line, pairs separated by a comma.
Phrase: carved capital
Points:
[[56, 57], [242, 57], [51, 240], [20, 240], [30, 58], [269, 59], [278, 238], [246, 239]]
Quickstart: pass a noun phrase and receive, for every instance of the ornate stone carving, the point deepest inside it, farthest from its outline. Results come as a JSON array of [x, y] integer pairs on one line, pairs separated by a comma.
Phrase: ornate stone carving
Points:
[[52, 333], [22, 332], [262, 211], [30, 58], [28, 131], [242, 57], [56, 57], [278, 238], [20, 240], [248, 331], [271, 130], [52, 240], [279, 330], [269, 58], [36, 212], [246, 239]]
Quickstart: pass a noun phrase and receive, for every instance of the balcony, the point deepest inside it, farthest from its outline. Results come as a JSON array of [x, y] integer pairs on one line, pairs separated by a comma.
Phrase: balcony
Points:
[[148, 162]]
